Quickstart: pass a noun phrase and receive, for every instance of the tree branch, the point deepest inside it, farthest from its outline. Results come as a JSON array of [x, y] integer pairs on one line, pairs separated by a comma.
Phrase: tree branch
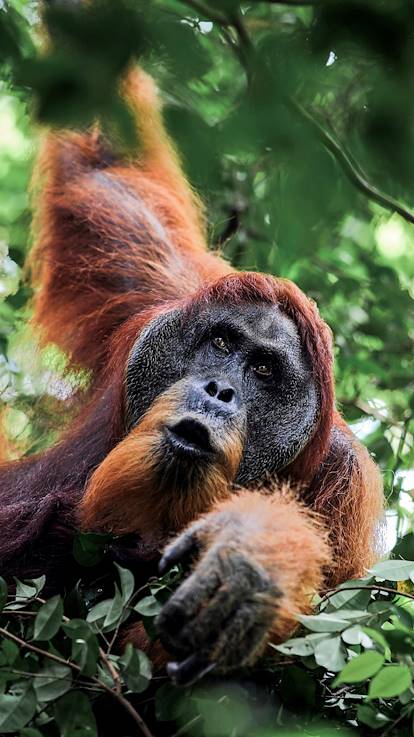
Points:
[[352, 171], [373, 587]]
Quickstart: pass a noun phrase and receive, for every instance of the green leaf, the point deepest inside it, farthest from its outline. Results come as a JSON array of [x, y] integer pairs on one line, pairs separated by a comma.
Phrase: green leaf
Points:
[[89, 547], [329, 653], [29, 589], [74, 716], [10, 651], [96, 616], [170, 702], [394, 570], [390, 681], [127, 583], [52, 681], [366, 714], [323, 622], [38, 583], [380, 640], [356, 636], [115, 611], [360, 668], [48, 619], [403, 616], [295, 646], [349, 597], [148, 606], [107, 614], [85, 645], [401, 641], [16, 710], [136, 669]]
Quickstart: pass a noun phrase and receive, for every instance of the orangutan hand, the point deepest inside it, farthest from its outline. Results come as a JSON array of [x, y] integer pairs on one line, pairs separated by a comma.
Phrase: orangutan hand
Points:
[[221, 614]]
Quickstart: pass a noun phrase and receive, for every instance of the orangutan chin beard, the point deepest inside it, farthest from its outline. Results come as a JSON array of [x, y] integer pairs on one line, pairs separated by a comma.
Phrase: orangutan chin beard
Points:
[[157, 479]]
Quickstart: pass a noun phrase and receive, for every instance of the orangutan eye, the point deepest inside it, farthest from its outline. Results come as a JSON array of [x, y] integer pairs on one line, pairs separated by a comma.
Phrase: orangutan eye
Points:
[[219, 342], [263, 369]]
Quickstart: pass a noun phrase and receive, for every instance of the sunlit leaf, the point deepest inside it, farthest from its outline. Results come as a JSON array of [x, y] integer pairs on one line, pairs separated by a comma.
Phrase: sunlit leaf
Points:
[[393, 570], [360, 668], [390, 681]]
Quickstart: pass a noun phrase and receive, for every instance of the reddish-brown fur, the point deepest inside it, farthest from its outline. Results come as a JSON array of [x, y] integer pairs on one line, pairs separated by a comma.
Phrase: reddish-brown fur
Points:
[[119, 242], [296, 562]]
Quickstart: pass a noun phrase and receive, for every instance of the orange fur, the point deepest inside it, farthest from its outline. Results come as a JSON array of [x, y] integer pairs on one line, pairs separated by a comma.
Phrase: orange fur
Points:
[[146, 237], [289, 542], [347, 491], [125, 493]]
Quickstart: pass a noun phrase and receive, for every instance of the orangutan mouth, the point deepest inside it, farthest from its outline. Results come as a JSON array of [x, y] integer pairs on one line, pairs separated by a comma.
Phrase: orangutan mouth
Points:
[[190, 437]]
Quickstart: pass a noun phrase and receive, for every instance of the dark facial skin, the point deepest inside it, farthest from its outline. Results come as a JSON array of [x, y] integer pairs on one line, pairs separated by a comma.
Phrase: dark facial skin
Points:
[[242, 367]]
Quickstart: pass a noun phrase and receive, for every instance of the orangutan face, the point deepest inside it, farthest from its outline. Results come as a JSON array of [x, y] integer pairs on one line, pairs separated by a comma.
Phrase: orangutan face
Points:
[[238, 371]]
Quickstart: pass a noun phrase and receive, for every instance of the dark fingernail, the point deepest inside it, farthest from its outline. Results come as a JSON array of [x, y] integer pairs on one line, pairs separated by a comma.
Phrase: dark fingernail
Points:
[[188, 671]]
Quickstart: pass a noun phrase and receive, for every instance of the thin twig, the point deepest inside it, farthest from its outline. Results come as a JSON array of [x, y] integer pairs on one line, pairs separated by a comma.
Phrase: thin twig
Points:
[[393, 724], [214, 15], [374, 587], [112, 670], [38, 650], [20, 612]]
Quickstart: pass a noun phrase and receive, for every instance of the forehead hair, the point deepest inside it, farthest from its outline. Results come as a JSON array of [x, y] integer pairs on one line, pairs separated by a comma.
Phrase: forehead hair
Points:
[[254, 289]]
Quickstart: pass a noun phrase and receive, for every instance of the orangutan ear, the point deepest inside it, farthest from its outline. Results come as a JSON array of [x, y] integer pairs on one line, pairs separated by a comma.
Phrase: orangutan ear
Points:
[[348, 491]]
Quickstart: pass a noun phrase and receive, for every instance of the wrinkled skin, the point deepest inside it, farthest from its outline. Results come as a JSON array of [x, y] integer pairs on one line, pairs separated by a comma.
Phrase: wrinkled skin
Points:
[[276, 412], [245, 368]]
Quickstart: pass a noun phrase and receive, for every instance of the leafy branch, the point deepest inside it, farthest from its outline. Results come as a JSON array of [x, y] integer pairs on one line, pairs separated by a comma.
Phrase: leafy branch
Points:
[[117, 694], [89, 658]]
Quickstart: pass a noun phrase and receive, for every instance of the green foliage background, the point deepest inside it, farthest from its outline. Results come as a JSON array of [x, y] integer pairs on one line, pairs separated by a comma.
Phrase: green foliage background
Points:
[[296, 125]]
